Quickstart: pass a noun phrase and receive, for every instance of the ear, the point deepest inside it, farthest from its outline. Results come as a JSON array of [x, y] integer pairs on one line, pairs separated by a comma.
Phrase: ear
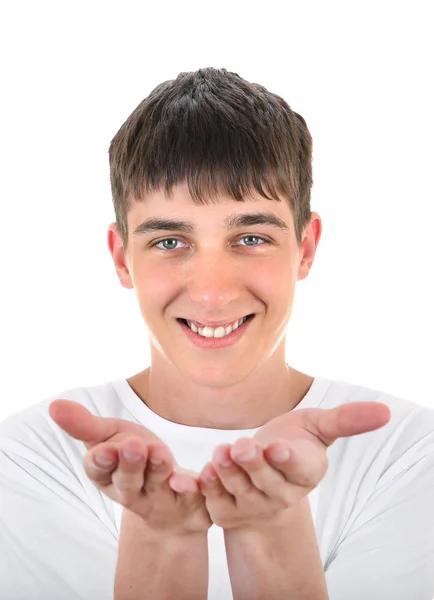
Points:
[[115, 247], [310, 241]]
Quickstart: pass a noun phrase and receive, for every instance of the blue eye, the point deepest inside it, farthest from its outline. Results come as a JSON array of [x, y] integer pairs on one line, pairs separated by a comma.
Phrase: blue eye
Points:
[[255, 237], [166, 240]]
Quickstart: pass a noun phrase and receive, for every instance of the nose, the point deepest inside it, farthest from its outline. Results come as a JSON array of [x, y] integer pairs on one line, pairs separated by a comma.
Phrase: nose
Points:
[[214, 283]]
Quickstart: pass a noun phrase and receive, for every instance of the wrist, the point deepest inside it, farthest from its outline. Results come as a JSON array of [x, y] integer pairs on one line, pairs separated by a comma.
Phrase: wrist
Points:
[[270, 525], [288, 517], [179, 536]]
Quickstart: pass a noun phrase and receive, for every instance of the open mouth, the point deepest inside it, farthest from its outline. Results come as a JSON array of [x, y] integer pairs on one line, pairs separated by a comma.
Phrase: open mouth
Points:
[[247, 317], [228, 330]]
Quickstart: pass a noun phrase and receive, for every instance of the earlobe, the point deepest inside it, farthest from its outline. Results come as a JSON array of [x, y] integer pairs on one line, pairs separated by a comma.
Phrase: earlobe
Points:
[[304, 269], [125, 278]]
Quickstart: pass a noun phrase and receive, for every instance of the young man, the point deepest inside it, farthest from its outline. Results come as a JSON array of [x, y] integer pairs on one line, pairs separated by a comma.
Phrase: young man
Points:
[[211, 179]]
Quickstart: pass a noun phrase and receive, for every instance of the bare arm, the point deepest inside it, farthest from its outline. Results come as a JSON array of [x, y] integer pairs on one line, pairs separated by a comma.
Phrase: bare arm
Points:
[[163, 545], [158, 565], [280, 563]]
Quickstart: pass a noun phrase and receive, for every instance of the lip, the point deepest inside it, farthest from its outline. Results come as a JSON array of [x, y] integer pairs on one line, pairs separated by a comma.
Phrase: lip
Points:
[[215, 324], [216, 343]]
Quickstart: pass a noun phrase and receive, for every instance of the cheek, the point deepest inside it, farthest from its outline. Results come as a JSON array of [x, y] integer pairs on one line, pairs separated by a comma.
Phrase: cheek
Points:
[[275, 285], [154, 287], [274, 277]]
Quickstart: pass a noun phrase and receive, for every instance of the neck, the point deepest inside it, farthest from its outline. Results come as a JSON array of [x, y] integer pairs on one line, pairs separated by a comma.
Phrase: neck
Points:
[[245, 402]]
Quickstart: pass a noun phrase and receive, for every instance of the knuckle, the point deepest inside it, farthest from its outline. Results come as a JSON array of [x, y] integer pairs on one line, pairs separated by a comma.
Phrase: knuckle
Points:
[[127, 481], [126, 486], [243, 489]]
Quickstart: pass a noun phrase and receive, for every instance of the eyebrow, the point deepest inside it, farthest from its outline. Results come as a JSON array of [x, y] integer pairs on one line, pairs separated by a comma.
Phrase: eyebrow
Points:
[[232, 221]]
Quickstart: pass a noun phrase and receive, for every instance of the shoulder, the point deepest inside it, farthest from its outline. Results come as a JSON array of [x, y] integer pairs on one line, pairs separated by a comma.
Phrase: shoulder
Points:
[[407, 415], [386, 473], [377, 456], [100, 400], [31, 442]]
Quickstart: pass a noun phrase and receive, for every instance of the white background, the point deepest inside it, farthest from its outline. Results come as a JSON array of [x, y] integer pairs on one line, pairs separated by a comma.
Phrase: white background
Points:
[[360, 73]]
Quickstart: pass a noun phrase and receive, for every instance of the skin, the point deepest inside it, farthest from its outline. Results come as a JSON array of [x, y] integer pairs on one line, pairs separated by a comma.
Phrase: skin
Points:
[[215, 274], [233, 490]]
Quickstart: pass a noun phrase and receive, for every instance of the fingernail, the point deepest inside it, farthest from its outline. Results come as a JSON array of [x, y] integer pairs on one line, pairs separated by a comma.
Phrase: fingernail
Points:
[[101, 461], [156, 461], [131, 456], [248, 455], [280, 455]]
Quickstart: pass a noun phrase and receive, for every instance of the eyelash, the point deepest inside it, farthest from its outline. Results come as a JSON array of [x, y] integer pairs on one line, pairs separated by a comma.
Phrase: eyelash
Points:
[[155, 244]]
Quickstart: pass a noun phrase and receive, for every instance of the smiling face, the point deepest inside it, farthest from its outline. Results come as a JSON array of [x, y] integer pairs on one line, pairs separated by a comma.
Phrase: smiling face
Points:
[[216, 268]]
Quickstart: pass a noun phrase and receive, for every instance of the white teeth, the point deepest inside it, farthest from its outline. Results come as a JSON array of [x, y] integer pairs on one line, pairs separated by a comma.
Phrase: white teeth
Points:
[[219, 332]]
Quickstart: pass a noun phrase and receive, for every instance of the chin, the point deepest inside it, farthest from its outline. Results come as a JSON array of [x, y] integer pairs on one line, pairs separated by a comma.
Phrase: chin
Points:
[[215, 376]]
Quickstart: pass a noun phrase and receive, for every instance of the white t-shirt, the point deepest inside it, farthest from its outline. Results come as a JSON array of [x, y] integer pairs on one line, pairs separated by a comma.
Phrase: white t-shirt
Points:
[[373, 511]]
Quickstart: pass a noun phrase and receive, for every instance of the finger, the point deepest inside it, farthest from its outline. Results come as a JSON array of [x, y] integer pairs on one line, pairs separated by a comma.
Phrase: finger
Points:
[[101, 472], [81, 424], [305, 467], [249, 454], [184, 481], [326, 424], [232, 476], [128, 478], [161, 465], [212, 488], [103, 461], [348, 419]]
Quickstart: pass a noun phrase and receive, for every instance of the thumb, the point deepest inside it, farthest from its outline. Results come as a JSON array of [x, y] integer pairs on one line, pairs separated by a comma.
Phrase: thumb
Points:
[[80, 423]]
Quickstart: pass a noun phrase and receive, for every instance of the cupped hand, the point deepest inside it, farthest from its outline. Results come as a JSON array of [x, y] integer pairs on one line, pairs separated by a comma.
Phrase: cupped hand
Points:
[[245, 492], [133, 467]]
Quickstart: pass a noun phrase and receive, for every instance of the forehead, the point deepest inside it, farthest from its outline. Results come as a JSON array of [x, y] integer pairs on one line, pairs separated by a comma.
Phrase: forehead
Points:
[[222, 211]]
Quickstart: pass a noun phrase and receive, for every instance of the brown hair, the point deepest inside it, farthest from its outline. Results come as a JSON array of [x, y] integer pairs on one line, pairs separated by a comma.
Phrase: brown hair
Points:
[[220, 134]]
